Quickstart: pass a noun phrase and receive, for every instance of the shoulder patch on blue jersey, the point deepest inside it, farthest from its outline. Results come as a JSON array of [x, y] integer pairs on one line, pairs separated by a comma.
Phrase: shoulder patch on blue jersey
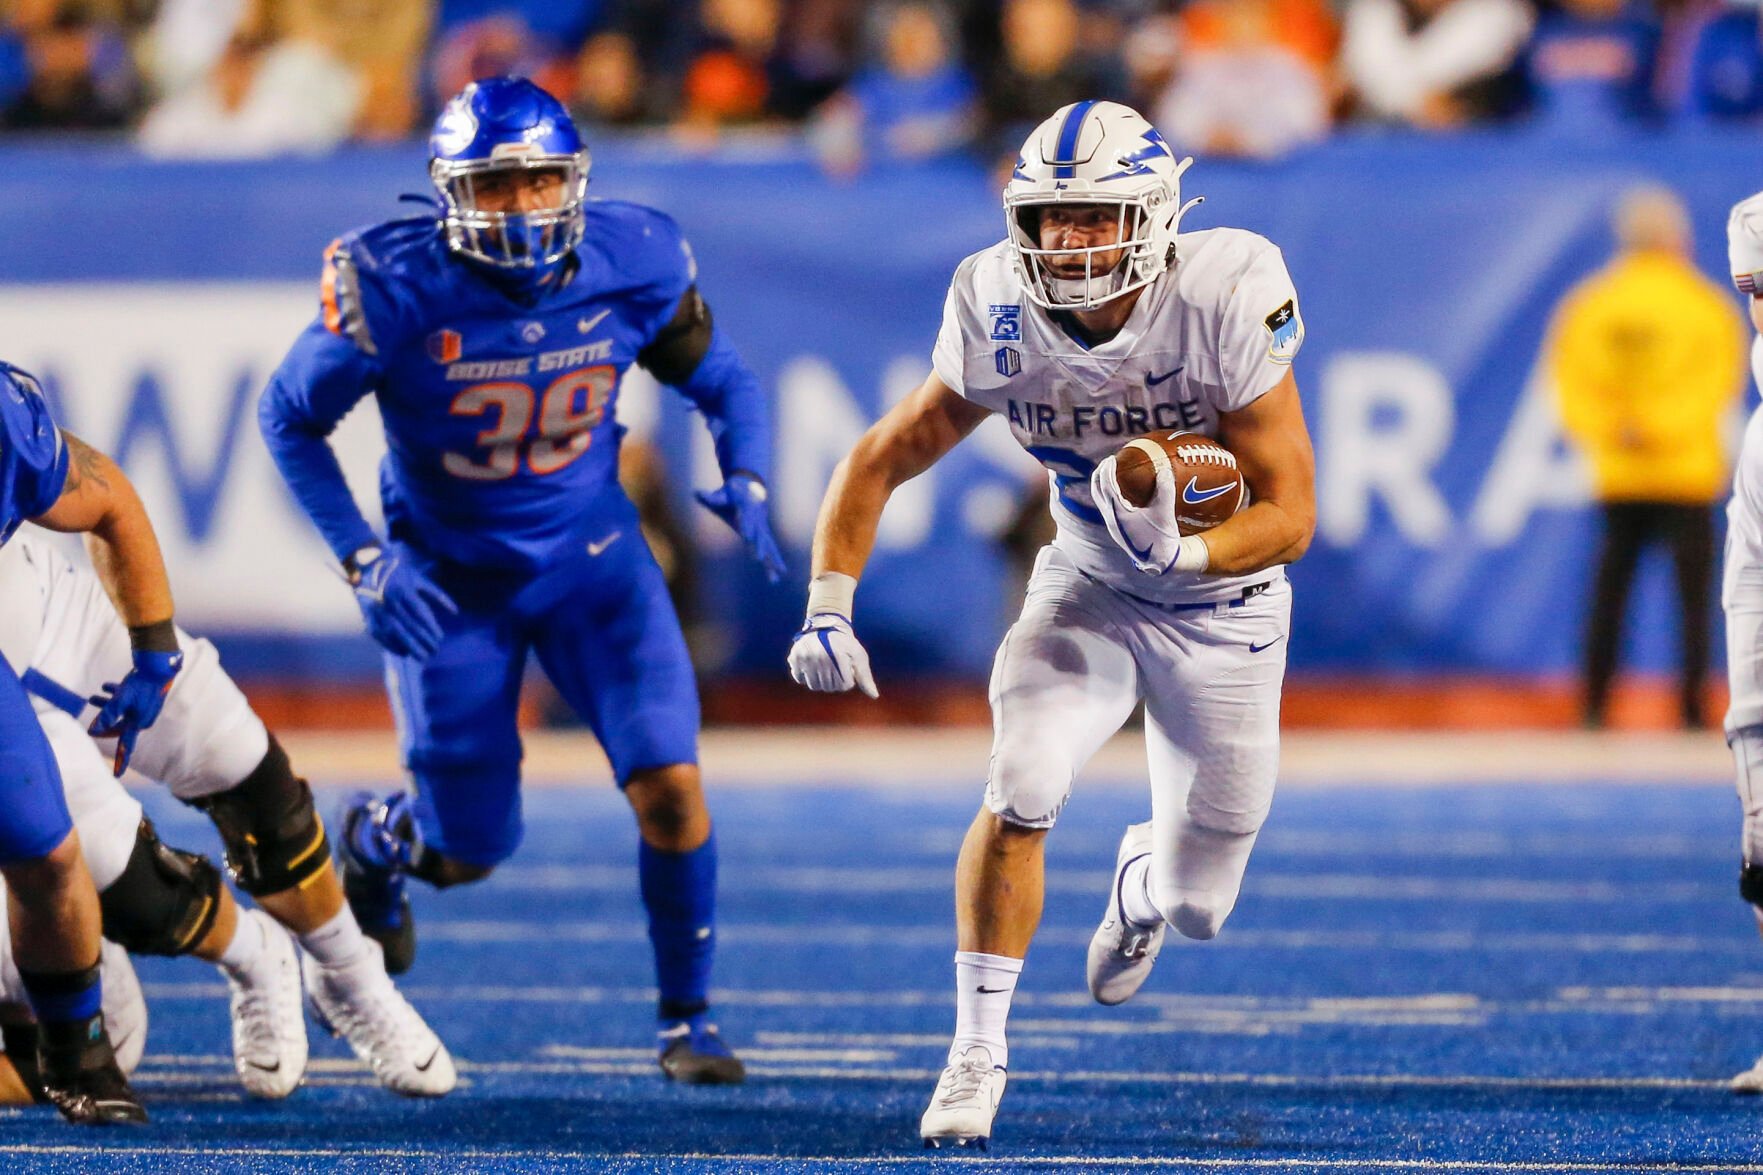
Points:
[[341, 293]]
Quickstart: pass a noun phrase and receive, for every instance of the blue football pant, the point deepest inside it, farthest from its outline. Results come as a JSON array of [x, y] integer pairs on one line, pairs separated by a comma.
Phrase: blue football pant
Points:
[[33, 809], [605, 633]]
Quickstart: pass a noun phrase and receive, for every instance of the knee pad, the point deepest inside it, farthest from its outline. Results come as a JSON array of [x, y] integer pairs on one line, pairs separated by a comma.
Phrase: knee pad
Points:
[[1027, 785], [274, 838], [165, 901], [1196, 916]]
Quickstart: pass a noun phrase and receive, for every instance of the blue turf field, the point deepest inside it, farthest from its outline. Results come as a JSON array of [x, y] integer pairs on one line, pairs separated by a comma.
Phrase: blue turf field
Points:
[[1497, 979]]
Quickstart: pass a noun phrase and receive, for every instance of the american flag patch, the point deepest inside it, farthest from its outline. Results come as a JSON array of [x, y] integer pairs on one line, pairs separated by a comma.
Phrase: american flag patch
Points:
[[1746, 282]]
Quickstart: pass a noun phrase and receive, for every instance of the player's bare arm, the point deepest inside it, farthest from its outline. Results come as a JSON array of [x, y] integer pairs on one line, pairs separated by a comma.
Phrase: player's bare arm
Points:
[[100, 502], [1272, 447], [911, 438]]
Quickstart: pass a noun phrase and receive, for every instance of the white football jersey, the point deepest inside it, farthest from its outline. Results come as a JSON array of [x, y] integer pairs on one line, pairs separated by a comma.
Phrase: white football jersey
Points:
[[1215, 332], [1742, 580]]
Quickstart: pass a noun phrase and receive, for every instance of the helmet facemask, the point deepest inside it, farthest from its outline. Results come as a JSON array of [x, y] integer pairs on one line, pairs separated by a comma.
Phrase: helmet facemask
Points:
[[1144, 251], [535, 240]]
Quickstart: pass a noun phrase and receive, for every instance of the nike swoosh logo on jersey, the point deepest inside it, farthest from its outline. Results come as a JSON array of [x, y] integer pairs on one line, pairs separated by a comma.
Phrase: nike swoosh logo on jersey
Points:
[[595, 548], [1255, 648], [1152, 381], [1193, 495], [584, 325]]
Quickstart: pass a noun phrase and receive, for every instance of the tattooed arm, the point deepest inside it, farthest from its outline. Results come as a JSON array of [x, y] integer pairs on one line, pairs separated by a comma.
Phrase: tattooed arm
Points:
[[99, 501]]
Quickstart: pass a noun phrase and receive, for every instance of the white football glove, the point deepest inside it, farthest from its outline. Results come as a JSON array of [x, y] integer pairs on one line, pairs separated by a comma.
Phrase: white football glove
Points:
[[827, 657], [1148, 533]]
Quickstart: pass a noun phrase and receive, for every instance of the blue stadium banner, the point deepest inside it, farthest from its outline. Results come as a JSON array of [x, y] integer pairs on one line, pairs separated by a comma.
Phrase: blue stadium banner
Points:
[[1454, 533]]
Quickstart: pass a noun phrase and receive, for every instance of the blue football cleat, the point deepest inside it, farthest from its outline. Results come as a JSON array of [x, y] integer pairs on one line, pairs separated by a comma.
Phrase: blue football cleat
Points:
[[692, 1052], [372, 860]]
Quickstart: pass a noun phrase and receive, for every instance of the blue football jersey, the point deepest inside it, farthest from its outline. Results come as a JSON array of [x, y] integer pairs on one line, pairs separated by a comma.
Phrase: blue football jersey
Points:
[[33, 457], [500, 416]]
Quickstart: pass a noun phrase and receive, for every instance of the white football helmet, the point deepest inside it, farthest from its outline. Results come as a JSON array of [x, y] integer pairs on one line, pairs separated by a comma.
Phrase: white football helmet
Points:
[[1095, 153], [1744, 244]]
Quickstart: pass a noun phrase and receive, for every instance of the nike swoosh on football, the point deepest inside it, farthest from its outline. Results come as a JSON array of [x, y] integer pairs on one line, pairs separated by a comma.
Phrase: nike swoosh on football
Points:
[[594, 549], [1193, 495], [1255, 648], [584, 325], [1152, 381]]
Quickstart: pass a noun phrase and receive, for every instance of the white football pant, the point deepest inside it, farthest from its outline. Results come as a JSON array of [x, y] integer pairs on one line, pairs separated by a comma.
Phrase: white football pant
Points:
[[1069, 673]]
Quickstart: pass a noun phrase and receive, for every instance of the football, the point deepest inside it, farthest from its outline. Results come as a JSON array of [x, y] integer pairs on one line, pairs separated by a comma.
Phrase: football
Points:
[[1209, 487]]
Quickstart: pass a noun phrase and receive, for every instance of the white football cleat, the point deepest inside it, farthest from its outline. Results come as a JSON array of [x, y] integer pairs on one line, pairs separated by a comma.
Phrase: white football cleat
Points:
[[1750, 1081], [125, 1008], [966, 1100], [269, 1023], [1122, 952], [358, 1002]]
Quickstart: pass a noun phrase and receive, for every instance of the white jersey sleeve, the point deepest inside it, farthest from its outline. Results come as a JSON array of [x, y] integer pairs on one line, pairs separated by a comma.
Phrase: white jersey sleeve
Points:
[[1261, 330], [949, 358]]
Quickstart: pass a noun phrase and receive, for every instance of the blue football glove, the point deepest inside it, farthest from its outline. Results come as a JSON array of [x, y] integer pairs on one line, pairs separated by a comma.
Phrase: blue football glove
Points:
[[402, 606], [128, 707], [741, 503]]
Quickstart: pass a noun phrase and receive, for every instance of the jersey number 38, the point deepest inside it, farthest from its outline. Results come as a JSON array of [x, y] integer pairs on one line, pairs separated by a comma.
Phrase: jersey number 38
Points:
[[568, 412]]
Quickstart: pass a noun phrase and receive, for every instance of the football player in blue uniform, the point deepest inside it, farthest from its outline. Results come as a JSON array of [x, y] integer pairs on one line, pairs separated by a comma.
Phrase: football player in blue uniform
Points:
[[494, 337], [54, 479]]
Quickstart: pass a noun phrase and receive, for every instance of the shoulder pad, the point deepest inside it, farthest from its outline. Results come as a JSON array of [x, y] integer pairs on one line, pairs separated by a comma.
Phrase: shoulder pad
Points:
[[379, 259], [646, 242]]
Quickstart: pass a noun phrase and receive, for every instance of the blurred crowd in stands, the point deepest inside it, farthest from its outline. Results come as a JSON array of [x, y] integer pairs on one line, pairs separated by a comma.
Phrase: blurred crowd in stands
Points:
[[868, 82]]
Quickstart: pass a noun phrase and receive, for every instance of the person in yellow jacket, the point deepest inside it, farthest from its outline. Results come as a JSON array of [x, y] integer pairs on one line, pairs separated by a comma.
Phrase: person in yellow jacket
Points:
[[1647, 356]]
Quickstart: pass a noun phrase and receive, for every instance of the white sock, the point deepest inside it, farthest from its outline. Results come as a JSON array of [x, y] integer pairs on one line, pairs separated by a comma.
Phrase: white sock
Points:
[[984, 985], [1135, 894], [337, 942], [242, 953]]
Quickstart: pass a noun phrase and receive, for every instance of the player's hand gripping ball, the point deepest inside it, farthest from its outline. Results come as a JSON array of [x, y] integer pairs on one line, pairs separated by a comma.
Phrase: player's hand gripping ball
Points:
[[1163, 486], [128, 707]]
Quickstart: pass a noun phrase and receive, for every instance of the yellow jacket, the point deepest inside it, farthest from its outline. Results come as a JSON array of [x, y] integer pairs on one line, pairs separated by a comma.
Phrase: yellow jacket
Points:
[[1648, 358]]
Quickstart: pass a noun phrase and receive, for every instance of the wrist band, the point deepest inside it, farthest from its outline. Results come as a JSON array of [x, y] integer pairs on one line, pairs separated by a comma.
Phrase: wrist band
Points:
[[159, 637], [832, 591]]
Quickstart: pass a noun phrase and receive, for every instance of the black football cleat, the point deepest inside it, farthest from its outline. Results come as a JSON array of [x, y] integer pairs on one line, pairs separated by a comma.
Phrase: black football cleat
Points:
[[19, 1042], [375, 893], [81, 1078], [693, 1054]]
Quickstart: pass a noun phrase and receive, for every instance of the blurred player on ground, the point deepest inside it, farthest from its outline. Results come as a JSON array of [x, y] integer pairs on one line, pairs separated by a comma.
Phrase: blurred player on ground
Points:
[[60, 482], [1090, 323], [211, 751], [1741, 588], [494, 337]]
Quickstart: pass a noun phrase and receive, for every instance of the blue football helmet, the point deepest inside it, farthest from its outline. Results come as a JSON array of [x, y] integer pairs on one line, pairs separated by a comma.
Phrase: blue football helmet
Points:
[[500, 125]]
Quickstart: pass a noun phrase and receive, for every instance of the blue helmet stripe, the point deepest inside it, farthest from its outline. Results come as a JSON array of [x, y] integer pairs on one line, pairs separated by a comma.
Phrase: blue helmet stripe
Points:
[[1063, 159]]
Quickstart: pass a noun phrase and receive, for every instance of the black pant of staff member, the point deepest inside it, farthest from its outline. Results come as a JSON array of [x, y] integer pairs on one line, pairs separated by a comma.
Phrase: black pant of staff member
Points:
[[1686, 530]]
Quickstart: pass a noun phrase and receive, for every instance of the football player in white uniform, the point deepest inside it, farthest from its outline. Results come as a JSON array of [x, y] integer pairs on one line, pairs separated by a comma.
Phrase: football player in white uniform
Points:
[[1741, 587], [1093, 321], [211, 751]]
